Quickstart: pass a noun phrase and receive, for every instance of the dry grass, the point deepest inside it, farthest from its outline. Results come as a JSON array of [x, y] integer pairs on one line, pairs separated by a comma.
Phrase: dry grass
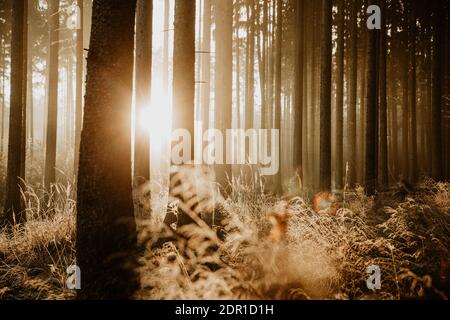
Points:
[[273, 249], [34, 257]]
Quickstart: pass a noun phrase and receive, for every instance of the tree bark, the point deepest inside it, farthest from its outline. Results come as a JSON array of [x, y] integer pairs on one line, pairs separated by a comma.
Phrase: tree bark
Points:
[[13, 212], [106, 230]]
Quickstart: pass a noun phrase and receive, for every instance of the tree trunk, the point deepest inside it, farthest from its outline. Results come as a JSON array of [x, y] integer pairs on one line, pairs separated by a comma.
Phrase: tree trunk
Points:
[[436, 107], [3, 105], [206, 64], [250, 65], [143, 78], [79, 88], [106, 231], [412, 95], [351, 110], [16, 148], [299, 92], [370, 181], [339, 148], [223, 81], [383, 143], [278, 54], [52, 112], [325, 97], [184, 77]]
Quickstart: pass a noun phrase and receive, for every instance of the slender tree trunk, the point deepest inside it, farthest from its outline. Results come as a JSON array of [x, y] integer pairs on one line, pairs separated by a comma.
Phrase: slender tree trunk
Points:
[[16, 148], [370, 181], [299, 92], [223, 97], [206, 63], [325, 97], [339, 147], [250, 61], [106, 231], [3, 105], [405, 118], [238, 67], [351, 110], [79, 87], [412, 94], [52, 116], [436, 107], [30, 99], [278, 55], [383, 142], [143, 78]]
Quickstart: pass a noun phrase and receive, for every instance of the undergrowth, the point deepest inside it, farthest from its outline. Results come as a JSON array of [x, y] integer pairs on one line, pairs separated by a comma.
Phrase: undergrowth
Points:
[[269, 248]]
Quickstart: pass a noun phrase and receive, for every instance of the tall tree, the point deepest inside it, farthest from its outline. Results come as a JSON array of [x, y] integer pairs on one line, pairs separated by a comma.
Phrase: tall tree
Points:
[[339, 147], [436, 109], [412, 93], [165, 75], [250, 62], [353, 95], [325, 97], [383, 142], [184, 76], [370, 178], [143, 77], [13, 212], [52, 108], [278, 64], [106, 231], [206, 63], [223, 79], [299, 83], [79, 85]]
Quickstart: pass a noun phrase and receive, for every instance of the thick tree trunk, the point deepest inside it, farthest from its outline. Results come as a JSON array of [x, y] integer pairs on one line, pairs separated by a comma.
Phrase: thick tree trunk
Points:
[[184, 77], [106, 231], [325, 97], [143, 78], [16, 148], [52, 112]]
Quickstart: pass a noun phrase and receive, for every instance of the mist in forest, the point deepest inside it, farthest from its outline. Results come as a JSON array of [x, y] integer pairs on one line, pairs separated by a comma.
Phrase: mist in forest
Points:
[[224, 149]]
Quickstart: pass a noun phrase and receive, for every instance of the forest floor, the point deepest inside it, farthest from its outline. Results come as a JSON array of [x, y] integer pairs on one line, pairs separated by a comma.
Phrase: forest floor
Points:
[[272, 249]]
